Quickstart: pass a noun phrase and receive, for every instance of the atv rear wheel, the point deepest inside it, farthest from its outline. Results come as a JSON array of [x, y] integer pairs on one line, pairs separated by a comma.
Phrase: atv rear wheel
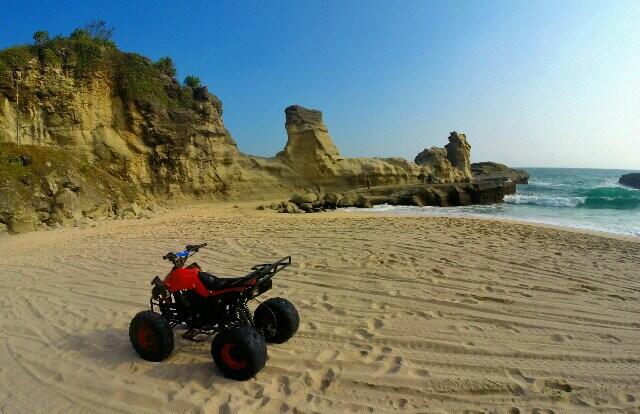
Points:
[[278, 320], [151, 336], [239, 352]]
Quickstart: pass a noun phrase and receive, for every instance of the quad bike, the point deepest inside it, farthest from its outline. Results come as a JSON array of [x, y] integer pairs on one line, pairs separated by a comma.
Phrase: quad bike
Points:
[[207, 305]]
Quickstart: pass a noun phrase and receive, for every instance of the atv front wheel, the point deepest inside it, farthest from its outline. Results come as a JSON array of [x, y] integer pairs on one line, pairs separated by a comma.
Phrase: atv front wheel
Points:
[[239, 352], [151, 336], [278, 319]]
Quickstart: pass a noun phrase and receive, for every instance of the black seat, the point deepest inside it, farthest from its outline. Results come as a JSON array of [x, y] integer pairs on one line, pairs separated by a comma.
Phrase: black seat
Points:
[[212, 282]]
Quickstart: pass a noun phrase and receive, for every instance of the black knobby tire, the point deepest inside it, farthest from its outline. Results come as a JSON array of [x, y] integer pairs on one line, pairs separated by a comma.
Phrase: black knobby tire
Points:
[[278, 320], [151, 336], [239, 352]]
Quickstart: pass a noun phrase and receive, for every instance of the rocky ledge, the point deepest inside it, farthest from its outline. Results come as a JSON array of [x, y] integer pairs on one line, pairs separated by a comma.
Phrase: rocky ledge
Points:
[[492, 171], [440, 195], [630, 180]]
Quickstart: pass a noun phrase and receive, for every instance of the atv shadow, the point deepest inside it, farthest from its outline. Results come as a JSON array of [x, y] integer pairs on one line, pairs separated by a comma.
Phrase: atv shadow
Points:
[[111, 349]]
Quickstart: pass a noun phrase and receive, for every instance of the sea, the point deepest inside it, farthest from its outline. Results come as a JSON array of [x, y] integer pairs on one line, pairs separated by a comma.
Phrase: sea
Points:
[[589, 199]]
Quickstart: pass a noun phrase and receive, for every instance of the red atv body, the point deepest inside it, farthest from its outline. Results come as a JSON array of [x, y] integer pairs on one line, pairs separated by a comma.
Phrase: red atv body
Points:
[[190, 278], [205, 305]]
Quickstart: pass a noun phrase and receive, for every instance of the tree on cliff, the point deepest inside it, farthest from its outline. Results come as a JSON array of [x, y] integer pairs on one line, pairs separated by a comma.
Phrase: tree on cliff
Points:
[[41, 37], [192, 81], [98, 29], [166, 66]]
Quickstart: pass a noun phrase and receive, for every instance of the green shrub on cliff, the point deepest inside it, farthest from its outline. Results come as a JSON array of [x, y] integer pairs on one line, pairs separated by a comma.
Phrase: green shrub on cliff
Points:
[[14, 58], [137, 78], [192, 81], [89, 50], [166, 66], [41, 37]]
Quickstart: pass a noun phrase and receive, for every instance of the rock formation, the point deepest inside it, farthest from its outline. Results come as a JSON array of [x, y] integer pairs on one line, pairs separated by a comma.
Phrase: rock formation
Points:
[[314, 158], [451, 163], [436, 159], [631, 180], [110, 141], [459, 153], [488, 171], [309, 147]]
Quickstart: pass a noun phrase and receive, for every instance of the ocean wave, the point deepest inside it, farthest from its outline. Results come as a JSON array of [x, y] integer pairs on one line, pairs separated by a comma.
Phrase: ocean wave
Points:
[[566, 218], [616, 198], [537, 183], [544, 200]]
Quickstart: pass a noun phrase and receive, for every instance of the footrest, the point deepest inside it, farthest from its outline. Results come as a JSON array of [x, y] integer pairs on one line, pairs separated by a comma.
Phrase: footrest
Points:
[[195, 335]]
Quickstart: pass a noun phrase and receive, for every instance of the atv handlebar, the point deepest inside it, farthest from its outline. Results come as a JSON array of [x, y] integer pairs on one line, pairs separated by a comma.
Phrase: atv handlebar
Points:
[[180, 257], [195, 247]]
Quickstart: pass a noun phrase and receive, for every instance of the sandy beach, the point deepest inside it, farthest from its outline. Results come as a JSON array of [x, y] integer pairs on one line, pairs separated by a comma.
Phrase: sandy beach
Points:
[[398, 314]]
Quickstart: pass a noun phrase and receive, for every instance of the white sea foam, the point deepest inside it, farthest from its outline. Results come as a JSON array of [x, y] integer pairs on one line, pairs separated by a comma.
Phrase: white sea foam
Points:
[[544, 200], [551, 198]]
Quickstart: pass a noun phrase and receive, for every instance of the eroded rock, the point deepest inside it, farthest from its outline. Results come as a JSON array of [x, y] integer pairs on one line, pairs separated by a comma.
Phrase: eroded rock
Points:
[[132, 211], [304, 198], [459, 153], [23, 222], [494, 171], [630, 180], [354, 200]]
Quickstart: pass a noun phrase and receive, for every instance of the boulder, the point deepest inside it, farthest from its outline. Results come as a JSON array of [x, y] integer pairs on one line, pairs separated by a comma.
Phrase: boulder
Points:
[[42, 205], [49, 185], [304, 198], [71, 185], [354, 200], [630, 180], [330, 200], [459, 153], [306, 207], [291, 208], [119, 206], [23, 222], [132, 211], [3, 228], [66, 204], [99, 212]]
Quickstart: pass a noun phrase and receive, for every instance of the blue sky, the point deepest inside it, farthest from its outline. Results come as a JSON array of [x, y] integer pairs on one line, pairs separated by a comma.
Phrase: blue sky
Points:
[[537, 83]]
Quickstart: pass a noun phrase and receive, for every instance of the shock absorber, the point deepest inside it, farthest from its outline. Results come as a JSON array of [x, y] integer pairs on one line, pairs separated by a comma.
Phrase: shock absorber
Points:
[[245, 313]]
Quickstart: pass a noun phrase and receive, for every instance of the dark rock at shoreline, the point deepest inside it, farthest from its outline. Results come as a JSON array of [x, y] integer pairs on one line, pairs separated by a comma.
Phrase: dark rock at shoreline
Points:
[[630, 180], [439, 195], [488, 171]]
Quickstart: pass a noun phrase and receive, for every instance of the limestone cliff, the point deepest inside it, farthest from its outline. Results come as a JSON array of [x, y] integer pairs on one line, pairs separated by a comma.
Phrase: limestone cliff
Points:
[[311, 153], [92, 142]]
